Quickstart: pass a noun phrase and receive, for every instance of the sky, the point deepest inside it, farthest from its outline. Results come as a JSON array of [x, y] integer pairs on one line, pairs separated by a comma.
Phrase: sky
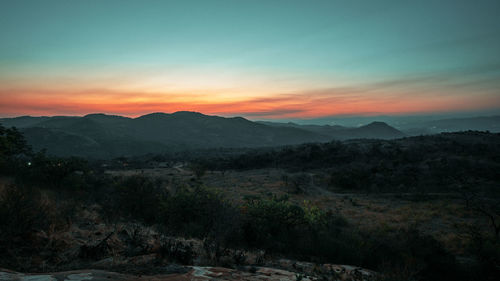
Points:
[[257, 59]]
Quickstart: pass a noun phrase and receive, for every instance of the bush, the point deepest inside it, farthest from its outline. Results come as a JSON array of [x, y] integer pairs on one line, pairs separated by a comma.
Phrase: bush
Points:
[[300, 183], [55, 173], [138, 197], [270, 223], [198, 213], [280, 226], [409, 255], [198, 170], [22, 211]]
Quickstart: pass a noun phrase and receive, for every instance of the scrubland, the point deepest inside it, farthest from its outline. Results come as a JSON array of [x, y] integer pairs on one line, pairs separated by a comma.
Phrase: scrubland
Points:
[[424, 208]]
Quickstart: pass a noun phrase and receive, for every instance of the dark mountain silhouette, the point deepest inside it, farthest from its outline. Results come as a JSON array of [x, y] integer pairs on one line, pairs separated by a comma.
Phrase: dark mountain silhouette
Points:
[[23, 121], [321, 129], [375, 130], [101, 135], [192, 129]]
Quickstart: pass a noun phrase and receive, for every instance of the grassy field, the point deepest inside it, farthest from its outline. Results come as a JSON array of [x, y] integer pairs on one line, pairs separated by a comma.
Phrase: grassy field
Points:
[[442, 215]]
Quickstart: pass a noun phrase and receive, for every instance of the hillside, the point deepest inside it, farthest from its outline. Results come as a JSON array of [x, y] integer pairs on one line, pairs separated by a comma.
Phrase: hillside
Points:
[[425, 163], [104, 136], [374, 130], [307, 210]]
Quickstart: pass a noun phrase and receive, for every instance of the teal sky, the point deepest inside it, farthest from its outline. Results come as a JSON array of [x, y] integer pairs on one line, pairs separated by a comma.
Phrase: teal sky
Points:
[[273, 59]]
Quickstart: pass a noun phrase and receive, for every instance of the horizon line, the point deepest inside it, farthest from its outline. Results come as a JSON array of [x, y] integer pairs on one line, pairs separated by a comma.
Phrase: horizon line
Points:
[[476, 113]]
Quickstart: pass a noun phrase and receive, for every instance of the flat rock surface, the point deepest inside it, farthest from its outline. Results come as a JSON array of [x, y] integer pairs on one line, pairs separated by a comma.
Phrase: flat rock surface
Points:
[[196, 273], [192, 273]]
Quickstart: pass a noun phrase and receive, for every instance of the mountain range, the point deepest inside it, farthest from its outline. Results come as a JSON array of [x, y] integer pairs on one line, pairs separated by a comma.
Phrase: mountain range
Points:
[[105, 136]]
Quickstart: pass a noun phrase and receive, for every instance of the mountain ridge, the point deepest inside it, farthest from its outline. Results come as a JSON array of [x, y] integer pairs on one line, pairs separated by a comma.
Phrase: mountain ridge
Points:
[[101, 135]]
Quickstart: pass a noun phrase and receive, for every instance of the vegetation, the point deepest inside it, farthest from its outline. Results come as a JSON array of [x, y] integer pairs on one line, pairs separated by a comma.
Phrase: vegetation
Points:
[[46, 192], [440, 163]]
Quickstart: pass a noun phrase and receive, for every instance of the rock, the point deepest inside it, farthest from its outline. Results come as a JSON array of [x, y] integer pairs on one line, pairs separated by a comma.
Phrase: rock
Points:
[[11, 276], [107, 262], [79, 277], [194, 273]]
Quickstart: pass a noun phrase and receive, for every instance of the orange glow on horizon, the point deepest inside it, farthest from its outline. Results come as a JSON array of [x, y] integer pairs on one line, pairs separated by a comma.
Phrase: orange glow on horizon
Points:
[[277, 106]]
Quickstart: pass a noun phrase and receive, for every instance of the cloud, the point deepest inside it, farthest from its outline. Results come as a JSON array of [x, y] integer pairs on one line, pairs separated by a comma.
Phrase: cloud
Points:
[[440, 91], [273, 113]]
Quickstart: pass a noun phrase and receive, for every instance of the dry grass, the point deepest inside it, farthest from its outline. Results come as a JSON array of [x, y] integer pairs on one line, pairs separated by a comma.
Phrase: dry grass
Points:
[[442, 217]]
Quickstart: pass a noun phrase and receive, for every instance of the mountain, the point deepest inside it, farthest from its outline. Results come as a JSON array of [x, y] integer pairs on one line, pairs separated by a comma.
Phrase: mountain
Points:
[[23, 121], [196, 130], [104, 136], [321, 129], [374, 130]]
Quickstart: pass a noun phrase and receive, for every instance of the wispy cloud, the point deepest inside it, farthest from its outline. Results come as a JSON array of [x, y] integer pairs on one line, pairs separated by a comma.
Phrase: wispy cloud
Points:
[[454, 89]]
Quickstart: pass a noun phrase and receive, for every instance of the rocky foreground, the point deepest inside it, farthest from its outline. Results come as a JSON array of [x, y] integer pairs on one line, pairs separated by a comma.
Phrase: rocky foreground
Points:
[[337, 272], [93, 250], [90, 249]]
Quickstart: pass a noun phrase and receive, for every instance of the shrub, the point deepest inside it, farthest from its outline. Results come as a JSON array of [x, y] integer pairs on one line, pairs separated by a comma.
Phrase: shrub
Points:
[[138, 197], [278, 225], [300, 183], [198, 170], [194, 213], [410, 255], [269, 223], [22, 211], [177, 250], [55, 173]]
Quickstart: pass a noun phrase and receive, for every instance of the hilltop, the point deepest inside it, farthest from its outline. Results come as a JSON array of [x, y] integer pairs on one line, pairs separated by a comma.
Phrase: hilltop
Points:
[[104, 136]]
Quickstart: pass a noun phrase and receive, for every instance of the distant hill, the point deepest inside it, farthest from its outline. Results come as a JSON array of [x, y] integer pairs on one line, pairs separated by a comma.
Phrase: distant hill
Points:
[[103, 136], [460, 154], [484, 123], [409, 125], [23, 121], [374, 130], [191, 129], [322, 129]]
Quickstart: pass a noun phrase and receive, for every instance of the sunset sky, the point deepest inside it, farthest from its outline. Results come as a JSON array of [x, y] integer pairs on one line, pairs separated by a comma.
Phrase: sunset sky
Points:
[[258, 59]]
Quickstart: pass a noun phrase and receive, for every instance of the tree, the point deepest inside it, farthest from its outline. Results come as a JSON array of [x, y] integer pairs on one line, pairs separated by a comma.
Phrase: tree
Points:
[[13, 146], [198, 169], [300, 182], [12, 142]]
